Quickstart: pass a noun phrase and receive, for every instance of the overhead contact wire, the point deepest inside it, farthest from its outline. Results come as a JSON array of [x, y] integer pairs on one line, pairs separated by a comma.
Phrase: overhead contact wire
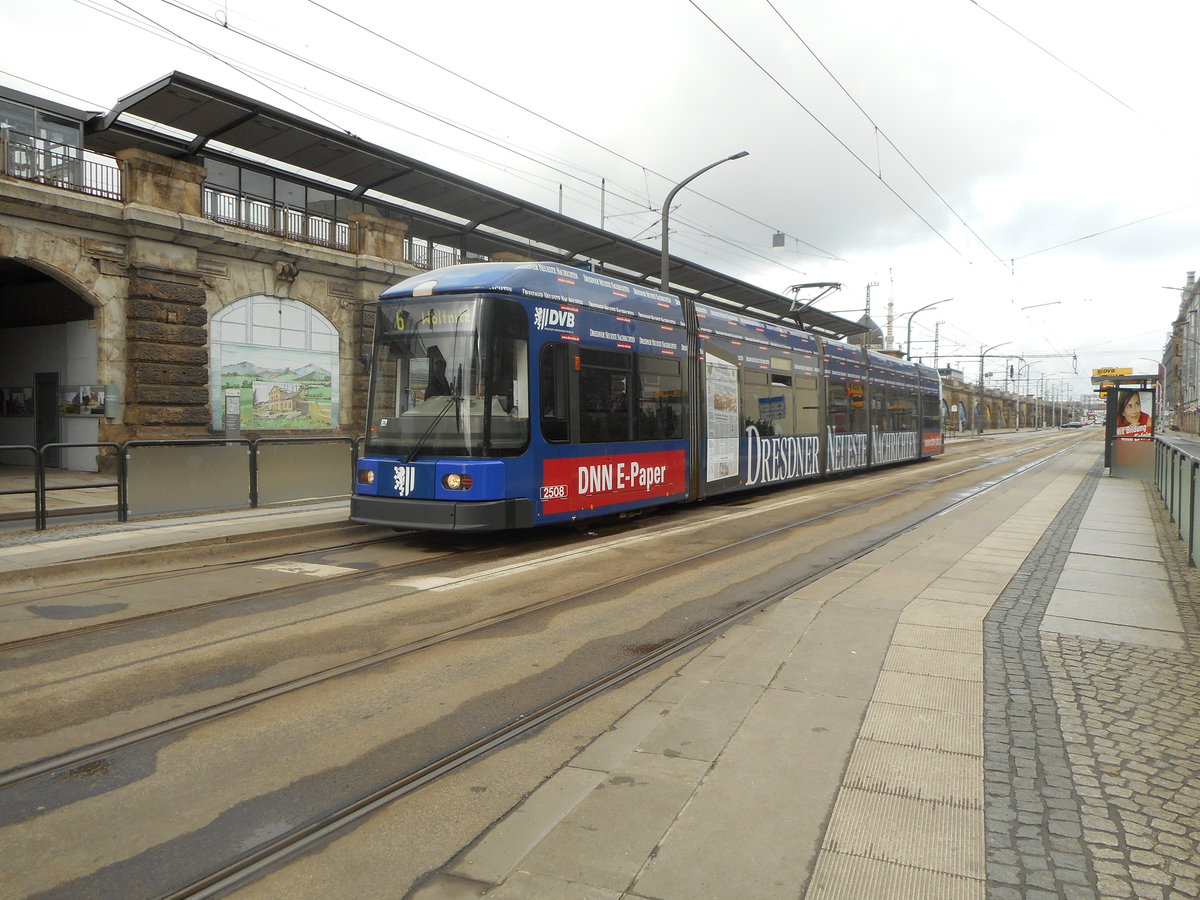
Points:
[[796, 100]]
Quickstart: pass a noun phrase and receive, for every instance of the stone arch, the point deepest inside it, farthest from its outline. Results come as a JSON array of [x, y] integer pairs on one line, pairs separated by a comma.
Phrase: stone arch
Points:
[[55, 385], [65, 257], [61, 297]]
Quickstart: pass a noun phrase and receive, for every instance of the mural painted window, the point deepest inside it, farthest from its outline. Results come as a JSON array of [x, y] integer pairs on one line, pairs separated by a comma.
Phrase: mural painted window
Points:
[[282, 358]]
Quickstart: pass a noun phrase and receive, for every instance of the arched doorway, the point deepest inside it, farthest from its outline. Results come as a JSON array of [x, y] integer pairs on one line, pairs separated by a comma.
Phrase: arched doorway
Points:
[[48, 366]]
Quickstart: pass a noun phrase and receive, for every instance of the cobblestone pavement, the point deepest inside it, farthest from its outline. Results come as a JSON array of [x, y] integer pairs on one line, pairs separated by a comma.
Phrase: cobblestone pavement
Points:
[[1092, 764]]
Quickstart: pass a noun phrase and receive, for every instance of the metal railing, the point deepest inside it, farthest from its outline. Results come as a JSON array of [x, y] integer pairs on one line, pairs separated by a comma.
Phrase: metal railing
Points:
[[423, 255], [259, 214], [41, 487], [182, 476], [1176, 473], [42, 161], [278, 219], [75, 169]]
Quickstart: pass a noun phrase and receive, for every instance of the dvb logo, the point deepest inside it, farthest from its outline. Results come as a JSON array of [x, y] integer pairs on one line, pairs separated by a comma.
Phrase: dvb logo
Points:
[[553, 318], [404, 479]]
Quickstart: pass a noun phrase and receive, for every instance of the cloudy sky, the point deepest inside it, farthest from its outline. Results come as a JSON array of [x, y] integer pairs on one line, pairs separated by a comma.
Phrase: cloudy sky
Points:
[[1035, 161]]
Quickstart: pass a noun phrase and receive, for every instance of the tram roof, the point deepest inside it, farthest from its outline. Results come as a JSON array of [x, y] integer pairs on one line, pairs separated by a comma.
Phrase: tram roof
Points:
[[442, 206]]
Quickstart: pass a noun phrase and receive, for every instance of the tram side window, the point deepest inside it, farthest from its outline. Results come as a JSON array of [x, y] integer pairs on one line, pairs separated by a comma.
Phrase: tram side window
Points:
[[755, 388], [932, 410], [660, 399], [847, 412], [605, 383], [507, 367], [808, 411], [554, 390], [901, 410], [783, 389], [877, 403]]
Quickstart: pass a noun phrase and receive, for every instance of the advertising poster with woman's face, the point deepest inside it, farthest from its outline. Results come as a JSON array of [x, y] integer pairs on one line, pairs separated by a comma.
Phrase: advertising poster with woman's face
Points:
[[1135, 410]]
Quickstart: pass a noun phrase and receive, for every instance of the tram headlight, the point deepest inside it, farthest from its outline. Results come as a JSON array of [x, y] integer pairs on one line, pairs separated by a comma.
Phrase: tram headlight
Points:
[[456, 482], [366, 476]]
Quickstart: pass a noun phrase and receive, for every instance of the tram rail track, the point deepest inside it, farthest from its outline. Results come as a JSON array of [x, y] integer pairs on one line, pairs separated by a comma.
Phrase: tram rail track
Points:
[[292, 844], [81, 756], [164, 559], [84, 630], [645, 648], [276, 853], [386, 570]]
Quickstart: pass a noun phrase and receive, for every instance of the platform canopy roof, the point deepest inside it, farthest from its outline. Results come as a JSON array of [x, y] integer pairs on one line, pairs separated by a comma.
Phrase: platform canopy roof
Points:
[[200, 118], [1110, 378]]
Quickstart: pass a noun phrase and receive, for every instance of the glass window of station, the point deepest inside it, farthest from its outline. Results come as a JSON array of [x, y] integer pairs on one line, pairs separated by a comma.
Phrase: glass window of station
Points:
[[36, 144], [264, 201]]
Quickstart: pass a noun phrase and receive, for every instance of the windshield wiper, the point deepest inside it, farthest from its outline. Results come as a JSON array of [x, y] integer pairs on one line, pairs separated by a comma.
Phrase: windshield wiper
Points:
[[450, 401]]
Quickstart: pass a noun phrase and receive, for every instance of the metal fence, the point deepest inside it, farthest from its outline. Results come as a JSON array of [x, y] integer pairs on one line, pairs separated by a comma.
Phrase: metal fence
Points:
[[278, 219], [1176, 470], [187, 476], [35, 159], [39, 160]]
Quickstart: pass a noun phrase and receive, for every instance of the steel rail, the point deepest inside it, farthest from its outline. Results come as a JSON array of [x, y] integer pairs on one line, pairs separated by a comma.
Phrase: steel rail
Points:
[[274, 853], [210, 604], [81, 756], [96, 627]]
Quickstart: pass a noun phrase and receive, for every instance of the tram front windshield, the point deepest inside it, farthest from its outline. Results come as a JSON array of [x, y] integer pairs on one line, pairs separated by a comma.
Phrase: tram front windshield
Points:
[[449, 377]]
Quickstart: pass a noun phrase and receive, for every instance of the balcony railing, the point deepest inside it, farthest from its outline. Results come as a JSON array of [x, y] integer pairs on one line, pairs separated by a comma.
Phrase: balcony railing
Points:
[[58, 165], [425, 255], [83, 171], [269, 217], [279, 219]]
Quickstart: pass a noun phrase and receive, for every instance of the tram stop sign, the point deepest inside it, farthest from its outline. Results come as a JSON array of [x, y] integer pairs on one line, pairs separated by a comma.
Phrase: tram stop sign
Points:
[[233, 414]]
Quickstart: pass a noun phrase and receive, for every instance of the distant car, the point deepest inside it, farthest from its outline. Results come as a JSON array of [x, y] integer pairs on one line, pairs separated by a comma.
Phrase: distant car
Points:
[[1071, 425]]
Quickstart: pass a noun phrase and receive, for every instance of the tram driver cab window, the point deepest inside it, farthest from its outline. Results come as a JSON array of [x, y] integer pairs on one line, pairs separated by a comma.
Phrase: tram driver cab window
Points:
[[438, 384]]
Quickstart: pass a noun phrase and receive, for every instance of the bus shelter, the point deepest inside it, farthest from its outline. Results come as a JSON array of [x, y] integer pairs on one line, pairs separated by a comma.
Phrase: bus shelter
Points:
[[1131, 403]]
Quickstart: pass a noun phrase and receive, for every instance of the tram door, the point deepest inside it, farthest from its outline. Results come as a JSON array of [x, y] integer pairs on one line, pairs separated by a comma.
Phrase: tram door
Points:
[[45, 415], [719, 430]]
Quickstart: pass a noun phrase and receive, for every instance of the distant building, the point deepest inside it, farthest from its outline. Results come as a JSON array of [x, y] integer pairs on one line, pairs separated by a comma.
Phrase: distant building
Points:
[[1181, 362], [872, 337]]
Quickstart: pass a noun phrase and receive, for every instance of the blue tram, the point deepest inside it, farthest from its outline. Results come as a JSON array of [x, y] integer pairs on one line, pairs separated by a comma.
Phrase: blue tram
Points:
[[508, 395]]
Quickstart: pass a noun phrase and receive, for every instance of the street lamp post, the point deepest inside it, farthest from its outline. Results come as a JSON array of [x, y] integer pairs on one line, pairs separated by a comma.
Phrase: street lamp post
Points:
[[911, 315], [664, 278], [1017, 391], [1021, 396], [979, 402], [664, 284]]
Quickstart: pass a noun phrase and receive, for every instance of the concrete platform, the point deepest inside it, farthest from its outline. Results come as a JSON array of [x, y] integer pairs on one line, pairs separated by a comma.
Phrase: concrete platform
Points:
[[850, 742], [1004, 702]]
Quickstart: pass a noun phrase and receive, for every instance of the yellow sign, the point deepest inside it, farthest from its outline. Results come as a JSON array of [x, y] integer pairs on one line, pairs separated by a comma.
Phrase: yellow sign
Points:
[[1096, 373]]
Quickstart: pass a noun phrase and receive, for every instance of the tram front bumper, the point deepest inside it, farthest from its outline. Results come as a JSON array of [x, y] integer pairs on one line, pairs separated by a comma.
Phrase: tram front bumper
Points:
[[442, 515]]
